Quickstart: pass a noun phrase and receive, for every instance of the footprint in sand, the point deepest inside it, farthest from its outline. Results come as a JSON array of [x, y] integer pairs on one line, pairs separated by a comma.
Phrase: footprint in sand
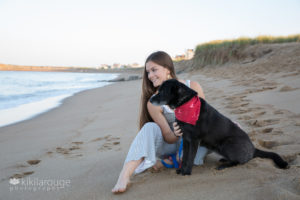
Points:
[[254, 90], [249, 117], [77, 143], [290, 157], [240, 111], [33, 162], [68, 150], [292, 74], [278, 112], [262, 123], [97, 139], [109, 143], [22, 175], [245, 110], [259, 114], [245, 117], [62, 150], [236, 98], [270, 143], [235, 105], [19, 166], [267, 130], [230, 98], [287, 89], [277, 131], [243, 104], [267, 143]]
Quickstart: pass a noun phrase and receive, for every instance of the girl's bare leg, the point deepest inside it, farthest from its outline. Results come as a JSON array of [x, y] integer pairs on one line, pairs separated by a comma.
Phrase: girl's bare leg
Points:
[[124, 177]]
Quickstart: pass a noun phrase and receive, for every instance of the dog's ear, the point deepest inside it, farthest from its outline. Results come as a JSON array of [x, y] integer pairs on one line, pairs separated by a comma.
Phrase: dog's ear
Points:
[[184, 93], [181, 88], [174, 86]]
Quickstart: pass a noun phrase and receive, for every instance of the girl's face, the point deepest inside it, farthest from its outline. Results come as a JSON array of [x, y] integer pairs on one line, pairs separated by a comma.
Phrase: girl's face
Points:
[[157, 74]]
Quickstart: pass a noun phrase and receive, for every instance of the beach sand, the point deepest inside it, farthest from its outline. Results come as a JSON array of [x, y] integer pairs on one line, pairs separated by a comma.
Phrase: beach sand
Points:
[[84, 142]]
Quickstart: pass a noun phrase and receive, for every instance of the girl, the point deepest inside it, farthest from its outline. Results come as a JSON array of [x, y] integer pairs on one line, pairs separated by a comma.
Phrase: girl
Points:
[[159, 134]]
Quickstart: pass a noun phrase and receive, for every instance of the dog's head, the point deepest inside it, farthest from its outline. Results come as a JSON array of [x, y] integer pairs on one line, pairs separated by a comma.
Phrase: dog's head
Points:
[[172, 93]]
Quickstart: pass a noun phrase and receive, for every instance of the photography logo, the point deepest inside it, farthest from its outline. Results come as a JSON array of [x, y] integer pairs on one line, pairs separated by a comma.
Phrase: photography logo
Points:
[[14, 181], [35, 184]]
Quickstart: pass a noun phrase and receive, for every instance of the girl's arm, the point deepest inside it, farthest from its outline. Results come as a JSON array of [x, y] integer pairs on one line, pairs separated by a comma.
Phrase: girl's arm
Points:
[[158, 117]]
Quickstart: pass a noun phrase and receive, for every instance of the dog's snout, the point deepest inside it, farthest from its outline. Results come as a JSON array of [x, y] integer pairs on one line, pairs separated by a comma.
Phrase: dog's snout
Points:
[[151, 99], [156, 100]]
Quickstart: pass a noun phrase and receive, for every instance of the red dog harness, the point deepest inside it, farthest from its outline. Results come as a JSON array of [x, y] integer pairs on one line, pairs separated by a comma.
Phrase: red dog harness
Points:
[[189, 112]]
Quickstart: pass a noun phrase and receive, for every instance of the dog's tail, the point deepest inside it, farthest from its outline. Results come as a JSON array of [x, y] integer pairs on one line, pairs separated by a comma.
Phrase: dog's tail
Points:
[[274, 156]]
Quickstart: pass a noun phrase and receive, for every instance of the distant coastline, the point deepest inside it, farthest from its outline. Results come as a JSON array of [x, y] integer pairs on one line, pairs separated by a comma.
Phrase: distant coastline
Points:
[[9, 67]]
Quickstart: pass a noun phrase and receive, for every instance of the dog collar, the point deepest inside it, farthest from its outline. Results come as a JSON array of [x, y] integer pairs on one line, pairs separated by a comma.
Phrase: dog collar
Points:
[[189, 112]]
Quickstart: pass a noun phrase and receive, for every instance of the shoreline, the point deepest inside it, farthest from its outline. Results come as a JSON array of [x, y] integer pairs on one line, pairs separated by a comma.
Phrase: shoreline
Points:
[[51, 102]]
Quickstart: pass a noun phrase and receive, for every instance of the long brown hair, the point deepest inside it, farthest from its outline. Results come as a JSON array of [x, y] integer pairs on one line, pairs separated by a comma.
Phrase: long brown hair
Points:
[[163, 59]]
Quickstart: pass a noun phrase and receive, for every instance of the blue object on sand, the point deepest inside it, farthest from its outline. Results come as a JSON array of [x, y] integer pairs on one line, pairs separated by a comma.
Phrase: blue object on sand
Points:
[[173, 156]]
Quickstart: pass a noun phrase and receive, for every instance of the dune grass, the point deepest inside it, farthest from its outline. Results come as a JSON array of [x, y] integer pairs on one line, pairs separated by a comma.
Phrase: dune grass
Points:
[[221, 51]]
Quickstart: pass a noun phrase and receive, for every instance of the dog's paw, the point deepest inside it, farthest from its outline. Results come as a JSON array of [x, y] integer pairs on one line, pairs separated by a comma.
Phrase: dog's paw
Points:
[[184, 172], [223, 160], [178, 171], [221, 167], [284, 165]]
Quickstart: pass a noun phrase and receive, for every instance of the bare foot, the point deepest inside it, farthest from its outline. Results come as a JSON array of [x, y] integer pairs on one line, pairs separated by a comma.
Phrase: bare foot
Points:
[[121, 185], [124, 178], [158, 165]]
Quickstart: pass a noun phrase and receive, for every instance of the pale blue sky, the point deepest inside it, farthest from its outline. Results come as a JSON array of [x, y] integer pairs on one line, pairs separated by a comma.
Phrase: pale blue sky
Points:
[[94, 32]]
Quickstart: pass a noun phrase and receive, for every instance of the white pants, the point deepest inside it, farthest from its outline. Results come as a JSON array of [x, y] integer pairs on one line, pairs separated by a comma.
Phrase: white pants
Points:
[[149, 144]]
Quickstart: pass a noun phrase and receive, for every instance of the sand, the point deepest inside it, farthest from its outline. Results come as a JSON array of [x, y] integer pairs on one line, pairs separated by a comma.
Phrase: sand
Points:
[[83, 143]]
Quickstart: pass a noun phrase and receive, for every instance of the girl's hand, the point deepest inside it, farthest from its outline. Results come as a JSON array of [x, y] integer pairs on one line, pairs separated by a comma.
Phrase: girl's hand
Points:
[[177, 131]]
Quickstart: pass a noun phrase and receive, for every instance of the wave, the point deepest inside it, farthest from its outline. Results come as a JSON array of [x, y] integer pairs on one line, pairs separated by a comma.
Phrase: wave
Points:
[[27, 94]]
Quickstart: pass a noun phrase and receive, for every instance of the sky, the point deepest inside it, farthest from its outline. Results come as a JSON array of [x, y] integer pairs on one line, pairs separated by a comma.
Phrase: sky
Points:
[[93, 32]]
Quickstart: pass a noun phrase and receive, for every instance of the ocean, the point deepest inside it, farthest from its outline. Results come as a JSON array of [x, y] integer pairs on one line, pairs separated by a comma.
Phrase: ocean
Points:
[[24, 95]]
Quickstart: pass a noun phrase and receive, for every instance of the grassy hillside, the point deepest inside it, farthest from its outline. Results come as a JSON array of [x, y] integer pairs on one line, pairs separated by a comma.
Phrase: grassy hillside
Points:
[[222, 51]]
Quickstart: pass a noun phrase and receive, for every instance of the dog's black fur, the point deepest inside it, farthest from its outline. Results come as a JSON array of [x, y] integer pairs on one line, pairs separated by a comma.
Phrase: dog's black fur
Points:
[[213, 130]]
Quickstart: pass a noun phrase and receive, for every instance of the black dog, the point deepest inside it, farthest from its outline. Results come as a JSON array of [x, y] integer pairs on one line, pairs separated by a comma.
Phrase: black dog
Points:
[[211, 128]]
